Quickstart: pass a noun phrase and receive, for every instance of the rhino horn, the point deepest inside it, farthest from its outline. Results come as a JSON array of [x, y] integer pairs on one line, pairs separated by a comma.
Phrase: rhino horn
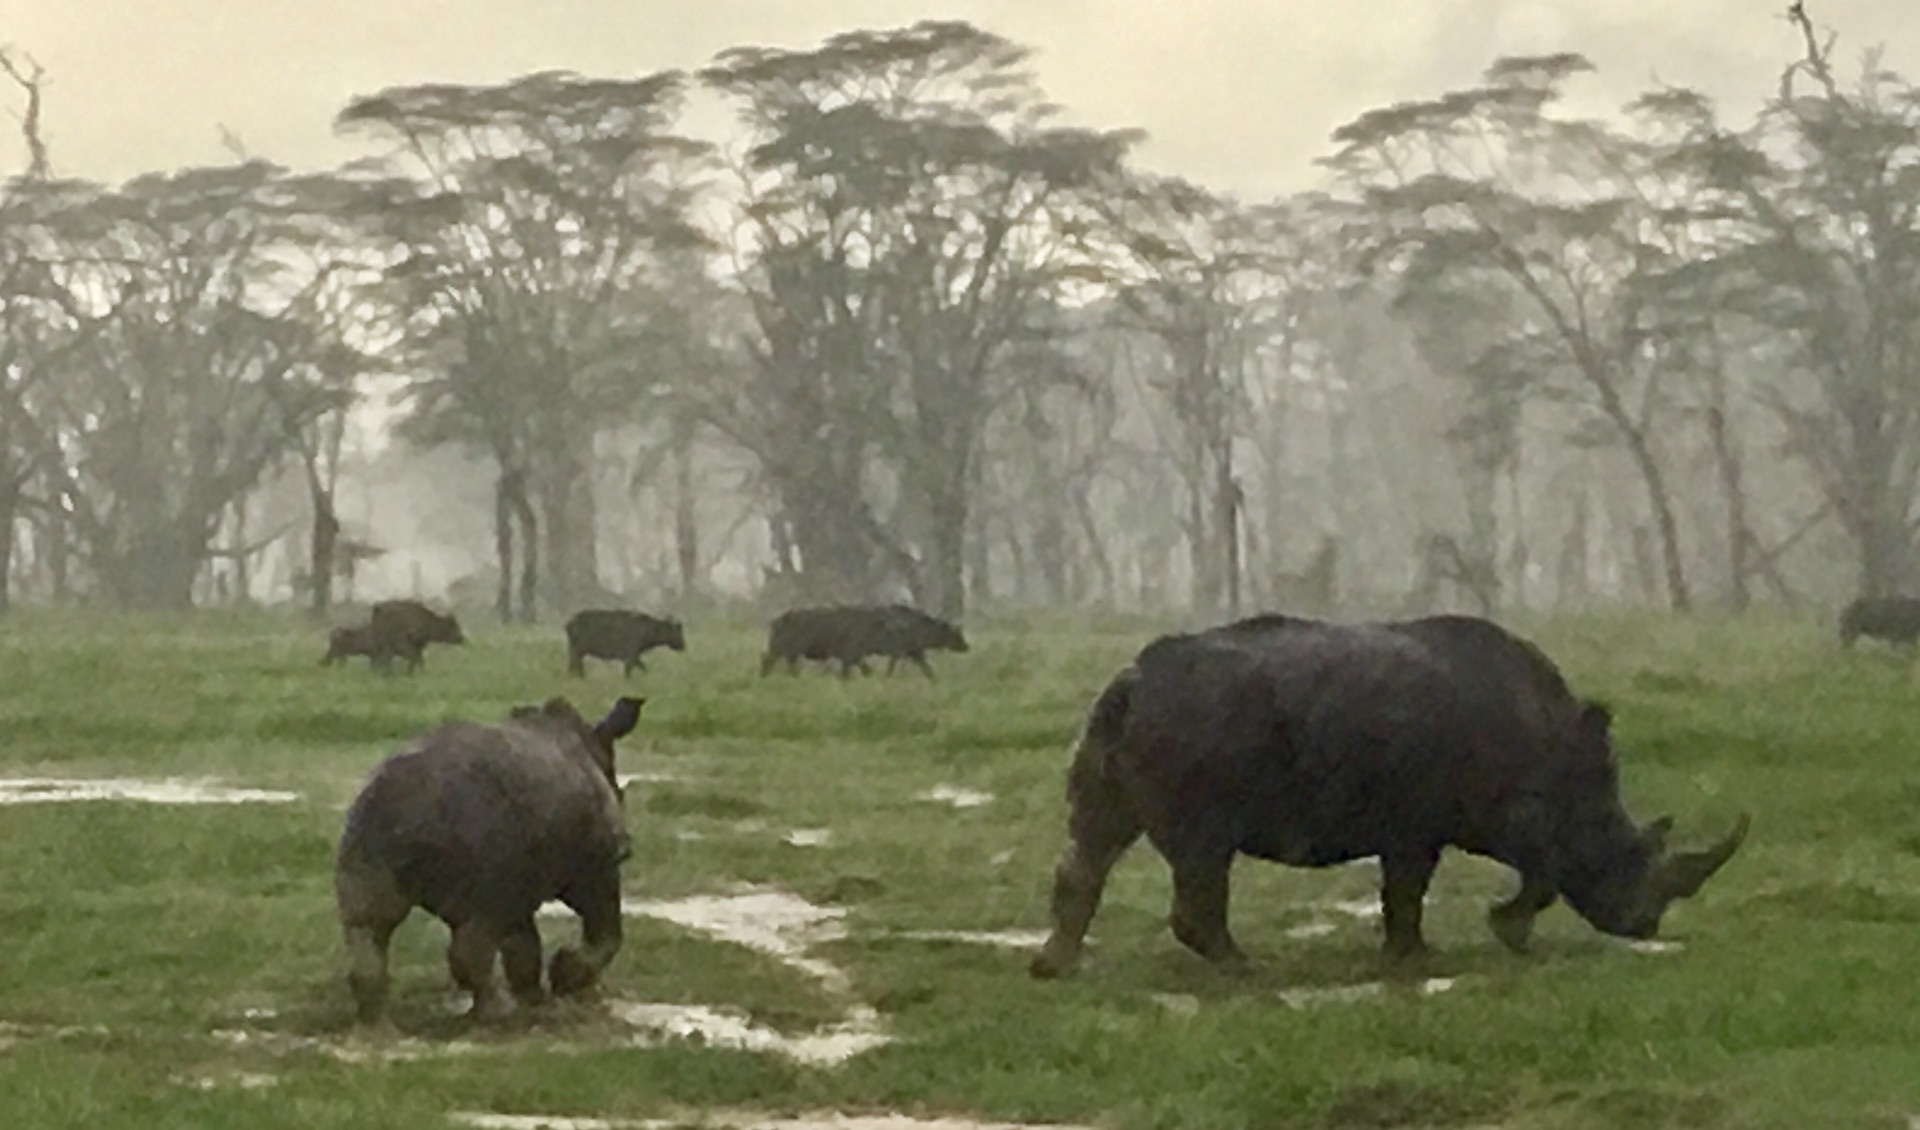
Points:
[[1680, 874]]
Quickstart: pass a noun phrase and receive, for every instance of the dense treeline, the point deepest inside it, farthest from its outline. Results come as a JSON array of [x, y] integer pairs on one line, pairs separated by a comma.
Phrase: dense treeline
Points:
[[902, 332]]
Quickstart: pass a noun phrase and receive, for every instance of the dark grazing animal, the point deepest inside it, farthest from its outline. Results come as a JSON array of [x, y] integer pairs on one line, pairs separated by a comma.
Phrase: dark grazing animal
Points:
[[343, 643], [480, 824], [403, 628], [619, 635], [1893, 619], [849, 633], [1311, 743]]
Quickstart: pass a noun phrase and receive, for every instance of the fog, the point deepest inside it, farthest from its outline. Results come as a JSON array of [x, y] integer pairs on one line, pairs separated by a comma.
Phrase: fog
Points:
[[1200, 369]]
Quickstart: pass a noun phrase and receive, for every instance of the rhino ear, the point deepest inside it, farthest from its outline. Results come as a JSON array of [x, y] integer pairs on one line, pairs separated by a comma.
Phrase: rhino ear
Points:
[[1596, 718], [523, 712], [621, 720], [559, 707]]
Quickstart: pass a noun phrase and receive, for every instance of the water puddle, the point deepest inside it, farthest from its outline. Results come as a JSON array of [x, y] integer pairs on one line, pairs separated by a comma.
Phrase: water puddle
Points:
[[1310, 930], [646, 778], [171, 790], [782, 926], [956, 796], [808, 837], [729, 1028], [1351, 994], [1002, 939], [1653, 945]]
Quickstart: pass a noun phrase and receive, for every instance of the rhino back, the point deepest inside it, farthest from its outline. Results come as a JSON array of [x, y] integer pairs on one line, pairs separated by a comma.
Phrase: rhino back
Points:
[[1311, 745], [479, 819]]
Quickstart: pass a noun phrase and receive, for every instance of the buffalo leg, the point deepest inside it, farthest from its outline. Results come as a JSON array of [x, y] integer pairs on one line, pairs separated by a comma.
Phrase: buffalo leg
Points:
[[576, 663], [1200, 884], [597, 902], [920, 661], [1403, 890], [1512, 920], [470, 957], [1098, 839], [520, 959]]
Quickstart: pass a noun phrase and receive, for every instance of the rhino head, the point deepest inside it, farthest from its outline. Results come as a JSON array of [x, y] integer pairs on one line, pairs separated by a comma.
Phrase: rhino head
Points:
[[1619, 877]]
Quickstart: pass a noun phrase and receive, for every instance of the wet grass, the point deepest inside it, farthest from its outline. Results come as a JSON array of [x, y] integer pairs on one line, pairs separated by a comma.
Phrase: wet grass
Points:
[[178, 966]]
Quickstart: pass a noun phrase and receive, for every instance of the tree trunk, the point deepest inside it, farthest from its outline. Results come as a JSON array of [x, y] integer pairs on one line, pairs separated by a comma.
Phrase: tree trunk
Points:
[[157, 571], [322, 552], [1733, 492], [503, 511], [9, 514], [1666, 527], [686, 518]]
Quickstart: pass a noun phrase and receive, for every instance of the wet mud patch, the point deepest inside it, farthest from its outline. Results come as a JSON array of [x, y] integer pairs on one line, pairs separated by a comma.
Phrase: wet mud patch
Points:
[[167, 790]]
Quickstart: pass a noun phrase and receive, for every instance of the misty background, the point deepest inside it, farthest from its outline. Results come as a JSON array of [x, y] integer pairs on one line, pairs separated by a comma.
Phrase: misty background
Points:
[[1372, 308]]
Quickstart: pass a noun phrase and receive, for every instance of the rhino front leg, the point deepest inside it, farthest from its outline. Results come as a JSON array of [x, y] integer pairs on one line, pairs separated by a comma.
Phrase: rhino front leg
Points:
[[470, 957], [1512, 920], [597, 902], [520, 959], [1200, 888], [1403, 891]]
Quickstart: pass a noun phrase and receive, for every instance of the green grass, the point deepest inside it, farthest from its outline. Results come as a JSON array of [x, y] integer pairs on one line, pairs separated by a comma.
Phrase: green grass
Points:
[[139, 939]]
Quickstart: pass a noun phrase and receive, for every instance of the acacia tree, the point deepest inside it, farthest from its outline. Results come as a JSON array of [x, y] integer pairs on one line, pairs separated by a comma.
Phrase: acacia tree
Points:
[[1485, 190], [910, 212], [536, 211], [177, 402], [1825, 190]]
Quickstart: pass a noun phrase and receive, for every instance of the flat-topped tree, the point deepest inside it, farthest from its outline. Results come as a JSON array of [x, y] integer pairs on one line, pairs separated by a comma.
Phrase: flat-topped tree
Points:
[[909, 209], [526, 243], [194, 369]]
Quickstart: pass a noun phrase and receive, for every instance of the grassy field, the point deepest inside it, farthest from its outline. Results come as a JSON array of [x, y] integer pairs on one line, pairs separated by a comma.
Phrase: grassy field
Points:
[[177, 965]]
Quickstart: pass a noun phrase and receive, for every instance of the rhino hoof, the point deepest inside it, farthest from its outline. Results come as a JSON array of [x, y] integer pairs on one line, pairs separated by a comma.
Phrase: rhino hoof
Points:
[[1046, 967], [570, 973]]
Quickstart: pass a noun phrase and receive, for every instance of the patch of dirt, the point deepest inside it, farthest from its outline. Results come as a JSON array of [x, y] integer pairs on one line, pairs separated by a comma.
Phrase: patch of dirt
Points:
[[171, 790]]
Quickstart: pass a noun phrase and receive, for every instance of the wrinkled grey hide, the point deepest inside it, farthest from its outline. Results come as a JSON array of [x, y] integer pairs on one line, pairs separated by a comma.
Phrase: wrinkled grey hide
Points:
[[480, 825], [1311, 744]]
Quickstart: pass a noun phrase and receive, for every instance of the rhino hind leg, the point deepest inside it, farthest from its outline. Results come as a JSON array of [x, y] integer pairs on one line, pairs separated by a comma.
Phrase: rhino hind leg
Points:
[[1403, 891], [1079, 879], [597, 902], [371, 908], [520, 960], [470, 956], [1199, 919], [1512, 920]]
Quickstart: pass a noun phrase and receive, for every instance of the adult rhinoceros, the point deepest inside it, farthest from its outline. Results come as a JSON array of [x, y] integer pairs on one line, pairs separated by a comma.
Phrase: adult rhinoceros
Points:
[[1312, 743], [481, 824]]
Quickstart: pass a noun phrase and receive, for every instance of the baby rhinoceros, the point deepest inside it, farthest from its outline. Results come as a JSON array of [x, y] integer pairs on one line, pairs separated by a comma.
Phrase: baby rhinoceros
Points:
[[481, 824]]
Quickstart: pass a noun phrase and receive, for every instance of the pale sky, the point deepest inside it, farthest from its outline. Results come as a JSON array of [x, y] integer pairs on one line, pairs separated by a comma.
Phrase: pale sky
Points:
[[1239, 95]]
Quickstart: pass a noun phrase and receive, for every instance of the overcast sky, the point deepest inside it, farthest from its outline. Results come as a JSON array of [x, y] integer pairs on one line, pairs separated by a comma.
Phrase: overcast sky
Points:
[[1238, 95]]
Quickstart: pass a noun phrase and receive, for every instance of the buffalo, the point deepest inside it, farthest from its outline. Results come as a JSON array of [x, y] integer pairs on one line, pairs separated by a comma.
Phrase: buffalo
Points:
[[619, 635], [403, 629], [849, 633], [481, 824], [1892, 619], [343, 643], [1312, 743]]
